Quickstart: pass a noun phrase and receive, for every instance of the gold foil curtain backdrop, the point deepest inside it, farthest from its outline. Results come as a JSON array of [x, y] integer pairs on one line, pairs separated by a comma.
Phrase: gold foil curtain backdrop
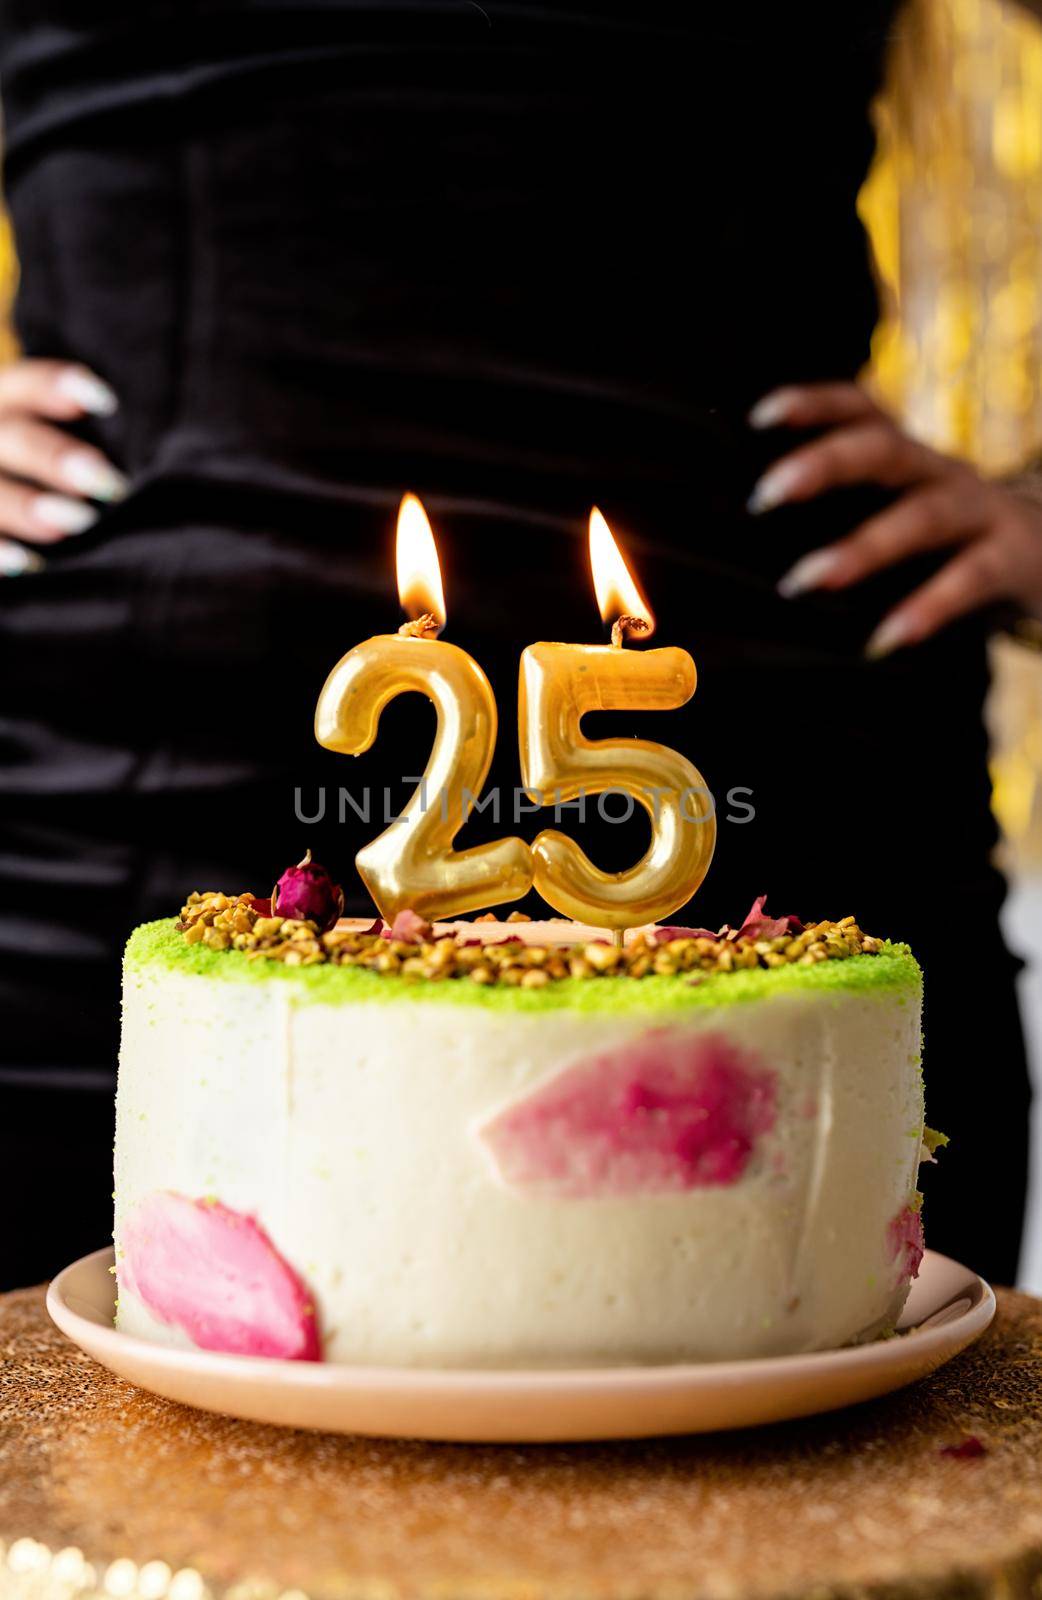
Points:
[[8, 284], [953, 206]]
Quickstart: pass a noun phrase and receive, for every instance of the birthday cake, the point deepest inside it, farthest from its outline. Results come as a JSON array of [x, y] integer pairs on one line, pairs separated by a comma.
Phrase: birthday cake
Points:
[[514, 1144]]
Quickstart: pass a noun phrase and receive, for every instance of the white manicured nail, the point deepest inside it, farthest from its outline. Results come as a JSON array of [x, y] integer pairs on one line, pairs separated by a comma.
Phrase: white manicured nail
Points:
[[892, 634], [87, 390], [57, 511], [775, 487], [772, 409], [84, 471], [15, 560], [809, 572]]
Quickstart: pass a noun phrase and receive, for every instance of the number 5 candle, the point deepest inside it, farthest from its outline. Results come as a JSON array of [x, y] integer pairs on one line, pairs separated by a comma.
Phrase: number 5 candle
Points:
[[559, 683], [412, 865]]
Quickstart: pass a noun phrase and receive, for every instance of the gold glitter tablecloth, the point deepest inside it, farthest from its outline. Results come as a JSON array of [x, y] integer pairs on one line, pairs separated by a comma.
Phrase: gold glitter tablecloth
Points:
[[105, 1490]]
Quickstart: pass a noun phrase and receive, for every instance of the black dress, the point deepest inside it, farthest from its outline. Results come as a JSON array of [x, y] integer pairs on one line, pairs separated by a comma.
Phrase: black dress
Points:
[[518, 257]]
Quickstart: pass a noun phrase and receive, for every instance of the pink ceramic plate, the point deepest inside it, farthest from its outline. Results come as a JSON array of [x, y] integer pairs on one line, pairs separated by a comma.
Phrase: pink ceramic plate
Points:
[[949, 1306]]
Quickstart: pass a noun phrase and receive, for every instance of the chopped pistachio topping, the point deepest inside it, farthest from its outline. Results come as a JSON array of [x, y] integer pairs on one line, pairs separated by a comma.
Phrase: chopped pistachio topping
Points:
[[232, 922]]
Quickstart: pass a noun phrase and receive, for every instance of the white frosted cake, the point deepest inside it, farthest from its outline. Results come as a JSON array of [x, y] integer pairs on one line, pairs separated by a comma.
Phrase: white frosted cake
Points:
[[509, 1144]]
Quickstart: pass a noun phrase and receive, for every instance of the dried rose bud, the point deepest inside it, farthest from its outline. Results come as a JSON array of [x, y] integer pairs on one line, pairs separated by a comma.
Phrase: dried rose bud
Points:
[[307, 893]]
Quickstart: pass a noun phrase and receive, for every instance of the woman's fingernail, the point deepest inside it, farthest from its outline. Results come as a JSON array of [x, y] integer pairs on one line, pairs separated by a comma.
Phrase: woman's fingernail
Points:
[[775, 487], [92, 475], [772, 409], [810, 572], [892, 634], [58, 512], [89, 391], [16, 560]]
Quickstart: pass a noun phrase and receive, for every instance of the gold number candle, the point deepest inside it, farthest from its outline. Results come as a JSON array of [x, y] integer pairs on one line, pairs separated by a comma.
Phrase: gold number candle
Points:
[[412, 864], [559, 683]]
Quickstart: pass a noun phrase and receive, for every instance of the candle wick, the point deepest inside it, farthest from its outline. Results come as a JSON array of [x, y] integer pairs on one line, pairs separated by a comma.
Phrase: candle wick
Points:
[[420, 627], [622, 627]]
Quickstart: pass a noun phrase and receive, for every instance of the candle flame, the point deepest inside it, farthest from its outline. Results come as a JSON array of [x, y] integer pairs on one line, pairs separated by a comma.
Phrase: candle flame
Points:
[[419, 571], [618, 594]]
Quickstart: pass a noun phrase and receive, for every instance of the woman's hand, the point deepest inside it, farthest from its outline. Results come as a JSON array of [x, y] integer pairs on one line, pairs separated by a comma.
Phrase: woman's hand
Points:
[[48, 478], [996, 533]]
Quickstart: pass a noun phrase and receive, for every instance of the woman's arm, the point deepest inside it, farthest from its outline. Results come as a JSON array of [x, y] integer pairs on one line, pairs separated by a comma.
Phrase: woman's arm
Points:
[[994, 530], [47, 478]]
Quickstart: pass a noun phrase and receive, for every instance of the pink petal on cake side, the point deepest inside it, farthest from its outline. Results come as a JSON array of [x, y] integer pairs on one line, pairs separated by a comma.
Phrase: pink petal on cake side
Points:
[[667, 1113], [215, 1274], [906, 1243]]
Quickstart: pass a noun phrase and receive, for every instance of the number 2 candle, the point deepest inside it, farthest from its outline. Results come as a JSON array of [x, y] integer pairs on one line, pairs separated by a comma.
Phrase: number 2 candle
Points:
[[559, 683], [412, 865]]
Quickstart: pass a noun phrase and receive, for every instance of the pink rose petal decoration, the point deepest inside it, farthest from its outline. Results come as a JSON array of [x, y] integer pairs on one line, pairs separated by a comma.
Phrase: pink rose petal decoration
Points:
[[409, 927], [759, 924], [215, 1274], [906, 1243], [668, 1113]]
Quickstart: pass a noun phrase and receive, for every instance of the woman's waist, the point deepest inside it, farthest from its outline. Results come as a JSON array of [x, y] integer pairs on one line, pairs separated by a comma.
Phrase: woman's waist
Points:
[[520, 446], [506, 284], [236, 543]]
